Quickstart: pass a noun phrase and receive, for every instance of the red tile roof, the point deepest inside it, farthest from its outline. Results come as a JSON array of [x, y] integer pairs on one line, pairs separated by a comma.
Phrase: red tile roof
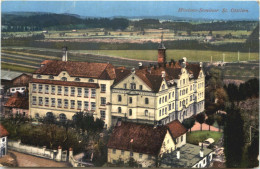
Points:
[[17, 101], [66, 83], [146, 138], [3, 131], [77, 69], [176, 128]]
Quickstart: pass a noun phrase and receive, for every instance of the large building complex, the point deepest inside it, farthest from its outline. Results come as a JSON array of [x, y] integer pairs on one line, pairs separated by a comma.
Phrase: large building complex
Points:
[[152, 94]]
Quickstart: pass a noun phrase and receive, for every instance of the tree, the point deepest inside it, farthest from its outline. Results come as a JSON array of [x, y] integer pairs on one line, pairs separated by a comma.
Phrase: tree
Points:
[[188, 123], [201, 119], [220, 119], [232, 91], [233, 137], [210, 121], [253, 152]]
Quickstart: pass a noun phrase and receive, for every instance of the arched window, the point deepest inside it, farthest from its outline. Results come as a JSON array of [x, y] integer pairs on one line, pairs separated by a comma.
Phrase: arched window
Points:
[[165, 110], [119, 98], [165, 98], [119, 110], [62, 117], [49, 114], [146, 112], [64, 79], [160, 113], [37, 116], [172, 94], [160, 100], [77, 79], [130, 112], [146, 101]]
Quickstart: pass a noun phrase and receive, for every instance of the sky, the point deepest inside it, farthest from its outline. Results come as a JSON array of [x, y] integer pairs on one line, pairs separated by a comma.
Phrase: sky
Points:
[[193, 9]]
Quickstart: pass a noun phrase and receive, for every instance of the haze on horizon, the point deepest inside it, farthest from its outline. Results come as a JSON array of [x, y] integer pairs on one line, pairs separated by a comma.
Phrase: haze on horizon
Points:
[[140, 8]]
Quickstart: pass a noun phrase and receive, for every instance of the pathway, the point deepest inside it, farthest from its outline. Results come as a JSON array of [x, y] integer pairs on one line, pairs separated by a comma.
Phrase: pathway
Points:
[[25, 160]]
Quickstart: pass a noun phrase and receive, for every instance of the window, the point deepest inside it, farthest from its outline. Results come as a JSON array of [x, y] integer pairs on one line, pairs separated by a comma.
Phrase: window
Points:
[[130, 100], [93, 106], [72, 91], [170, 107], [103, 88], [140, 155], [86, 92], [130, 112], [186, 90], [172, 94], [119, 110], [122, 152], [39, 76], [53, 89], [40, 100], [181, 138], [190, 87], [125, 85], [160, 113], [146, 101], [51, 77], [165, 98], [59, 103], [77, 79], [34, 100], [64, 79], [141, 87], [180, 103], [102, 114], [177, 140], [93, 92], [66, 91], [191, 98], [59, 90], [133, 86], [40, 88], [103, 101], [169, 96], [46, 88], [85, 105], [72, 104], [79, 92], [79, 104], [62, 117], [183, 81], [13, 90], [114, 151], [23, 88], [53, 102], [146, 112], [119, 98], [91, 80], [160, 100], [46, 101], [163, 86], [165, 110], [66, 103], [3, 139]]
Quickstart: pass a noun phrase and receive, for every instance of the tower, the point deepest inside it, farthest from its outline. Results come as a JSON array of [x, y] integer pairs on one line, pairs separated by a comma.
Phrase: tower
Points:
[[161, 52], [65, 53]]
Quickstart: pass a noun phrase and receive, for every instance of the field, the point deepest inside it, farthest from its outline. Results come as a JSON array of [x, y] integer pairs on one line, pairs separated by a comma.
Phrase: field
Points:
[[199, 136]]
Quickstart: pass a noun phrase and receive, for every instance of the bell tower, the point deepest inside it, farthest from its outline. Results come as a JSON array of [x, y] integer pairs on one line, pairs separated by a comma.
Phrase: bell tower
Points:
[[161, 52]]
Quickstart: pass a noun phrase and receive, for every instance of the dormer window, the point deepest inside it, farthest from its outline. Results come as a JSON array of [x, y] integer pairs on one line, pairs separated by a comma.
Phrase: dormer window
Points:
[[91, 80], [51, 77], [77, 79], [64, 79], [39, 76]]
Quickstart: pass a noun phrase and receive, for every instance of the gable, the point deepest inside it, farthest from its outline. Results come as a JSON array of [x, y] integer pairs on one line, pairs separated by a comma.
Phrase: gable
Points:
[[164, 85]]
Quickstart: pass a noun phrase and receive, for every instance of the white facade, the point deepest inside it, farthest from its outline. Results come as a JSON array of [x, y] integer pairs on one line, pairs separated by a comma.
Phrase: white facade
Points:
[[3, 146]]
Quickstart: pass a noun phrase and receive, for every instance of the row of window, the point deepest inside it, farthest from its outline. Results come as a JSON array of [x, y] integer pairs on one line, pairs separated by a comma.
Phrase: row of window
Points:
[[62, 103], [77, 79], [133, 86], [131, 154], [200, 95], [119, 110], [200, 85], [64, 90], [164, 98], [119, 99]]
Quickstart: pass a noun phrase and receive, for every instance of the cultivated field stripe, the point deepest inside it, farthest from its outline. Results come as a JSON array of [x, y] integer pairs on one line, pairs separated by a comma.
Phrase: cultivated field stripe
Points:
[[22, 57], [19, 64]]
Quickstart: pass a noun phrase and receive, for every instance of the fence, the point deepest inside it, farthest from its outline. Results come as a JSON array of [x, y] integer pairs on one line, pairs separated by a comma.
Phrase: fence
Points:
[[57, 155]]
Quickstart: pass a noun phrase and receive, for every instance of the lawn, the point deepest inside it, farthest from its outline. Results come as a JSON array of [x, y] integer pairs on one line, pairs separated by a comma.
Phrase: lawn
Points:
[[13, 67], [198, 136], [191, 55]]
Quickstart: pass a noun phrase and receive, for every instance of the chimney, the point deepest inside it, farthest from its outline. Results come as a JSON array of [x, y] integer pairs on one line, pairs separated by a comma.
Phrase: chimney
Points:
[[140, 64], [163, 74], [65, 53], [178, 153], [202, 151], [201, 64]]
